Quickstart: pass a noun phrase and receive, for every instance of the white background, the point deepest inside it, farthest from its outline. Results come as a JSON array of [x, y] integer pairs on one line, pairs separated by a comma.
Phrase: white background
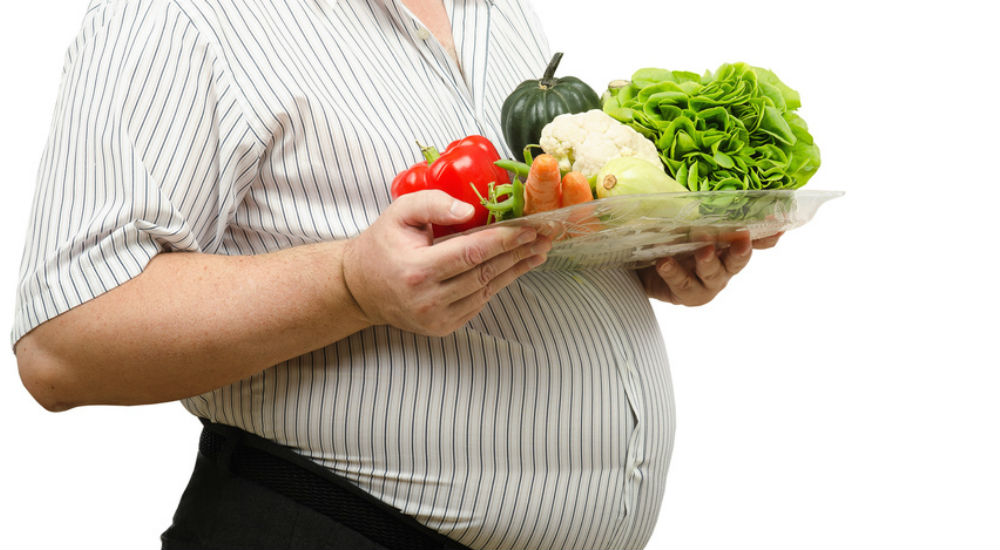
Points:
[[843, 392]]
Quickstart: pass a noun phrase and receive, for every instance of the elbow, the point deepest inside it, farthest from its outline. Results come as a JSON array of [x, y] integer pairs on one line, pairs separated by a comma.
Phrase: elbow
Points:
[[43, 376]]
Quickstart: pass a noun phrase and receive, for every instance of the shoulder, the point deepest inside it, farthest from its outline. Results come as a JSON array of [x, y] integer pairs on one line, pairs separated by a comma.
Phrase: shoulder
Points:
[[150, 15], [143, 28]]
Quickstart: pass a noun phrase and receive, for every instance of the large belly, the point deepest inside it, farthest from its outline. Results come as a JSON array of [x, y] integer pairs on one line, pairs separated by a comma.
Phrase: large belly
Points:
[[546, 422]]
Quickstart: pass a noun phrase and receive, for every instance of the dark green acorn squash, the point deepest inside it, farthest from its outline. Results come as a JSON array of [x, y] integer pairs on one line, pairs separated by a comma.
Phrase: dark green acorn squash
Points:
[[534, 103]]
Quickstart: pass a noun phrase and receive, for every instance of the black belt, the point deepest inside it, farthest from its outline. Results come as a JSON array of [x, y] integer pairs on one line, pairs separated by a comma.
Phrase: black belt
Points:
[[305, 482]]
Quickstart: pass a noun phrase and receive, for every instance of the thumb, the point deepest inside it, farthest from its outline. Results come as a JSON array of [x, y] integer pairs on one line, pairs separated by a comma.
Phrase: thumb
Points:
[[432, 207]]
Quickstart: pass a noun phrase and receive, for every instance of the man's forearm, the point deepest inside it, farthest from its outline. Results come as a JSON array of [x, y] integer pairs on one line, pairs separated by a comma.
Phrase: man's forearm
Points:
[[190, 323]]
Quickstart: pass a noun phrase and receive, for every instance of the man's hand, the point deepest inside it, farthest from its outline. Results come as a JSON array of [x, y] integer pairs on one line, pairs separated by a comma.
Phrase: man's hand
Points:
[[696, 279], [400, 278]]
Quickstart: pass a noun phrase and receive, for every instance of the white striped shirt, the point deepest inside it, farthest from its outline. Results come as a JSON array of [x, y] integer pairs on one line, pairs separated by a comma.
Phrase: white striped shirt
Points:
[[245, 127]]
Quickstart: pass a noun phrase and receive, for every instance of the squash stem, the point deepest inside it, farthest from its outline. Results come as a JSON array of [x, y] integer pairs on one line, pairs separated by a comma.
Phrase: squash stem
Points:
[[547, 80]]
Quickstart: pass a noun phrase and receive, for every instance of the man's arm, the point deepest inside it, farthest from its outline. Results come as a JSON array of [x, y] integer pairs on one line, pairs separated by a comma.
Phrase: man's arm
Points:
[[187, 324], [192, 322]]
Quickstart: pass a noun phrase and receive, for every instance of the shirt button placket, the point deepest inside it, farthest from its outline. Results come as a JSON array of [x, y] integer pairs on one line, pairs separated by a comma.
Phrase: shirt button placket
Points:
[[436, 57], [636, 441]]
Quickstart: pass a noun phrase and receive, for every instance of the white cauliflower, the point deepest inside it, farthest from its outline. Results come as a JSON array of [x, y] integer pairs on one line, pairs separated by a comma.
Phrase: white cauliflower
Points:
[[585, 142]]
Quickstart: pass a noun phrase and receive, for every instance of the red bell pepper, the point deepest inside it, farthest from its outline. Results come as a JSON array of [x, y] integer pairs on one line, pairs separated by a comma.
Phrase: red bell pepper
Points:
[[466, 161]]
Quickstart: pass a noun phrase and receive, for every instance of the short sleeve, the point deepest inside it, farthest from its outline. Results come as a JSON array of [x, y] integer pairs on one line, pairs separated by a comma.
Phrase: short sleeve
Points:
[[149, 151]]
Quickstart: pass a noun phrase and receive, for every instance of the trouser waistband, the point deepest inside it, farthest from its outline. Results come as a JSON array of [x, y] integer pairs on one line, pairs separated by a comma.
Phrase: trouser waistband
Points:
[[285, 472]]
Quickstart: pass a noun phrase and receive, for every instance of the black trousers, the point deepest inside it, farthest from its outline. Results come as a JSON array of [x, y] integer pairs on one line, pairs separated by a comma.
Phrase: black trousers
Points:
[[247, 492]]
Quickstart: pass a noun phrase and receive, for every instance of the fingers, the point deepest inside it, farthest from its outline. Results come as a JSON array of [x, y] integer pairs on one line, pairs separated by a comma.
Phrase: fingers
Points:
[[728, 236], [473, 280], [767, 242], [654, 285], [682, 285], [460, 254], [710, 269], [399, 277], [471, 304], [738, 255], [432, 207], [708, 275]]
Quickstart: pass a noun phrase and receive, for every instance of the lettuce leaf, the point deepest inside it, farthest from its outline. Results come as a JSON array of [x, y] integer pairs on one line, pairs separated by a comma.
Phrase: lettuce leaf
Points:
[[734, 128]]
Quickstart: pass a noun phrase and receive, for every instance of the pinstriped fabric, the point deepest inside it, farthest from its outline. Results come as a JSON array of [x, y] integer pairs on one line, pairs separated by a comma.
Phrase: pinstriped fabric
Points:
[[245, 127], [148, 152]]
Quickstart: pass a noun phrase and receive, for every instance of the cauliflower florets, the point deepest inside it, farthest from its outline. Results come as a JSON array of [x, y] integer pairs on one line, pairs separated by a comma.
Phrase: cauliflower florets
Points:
[[586, 141]]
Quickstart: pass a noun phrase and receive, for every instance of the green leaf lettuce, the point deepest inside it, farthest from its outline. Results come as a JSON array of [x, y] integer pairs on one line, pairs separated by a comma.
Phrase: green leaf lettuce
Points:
[[735, 128]]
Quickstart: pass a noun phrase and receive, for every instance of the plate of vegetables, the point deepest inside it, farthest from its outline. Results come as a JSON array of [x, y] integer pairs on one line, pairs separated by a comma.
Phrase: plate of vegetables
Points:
[[657, 166], [633, 231]]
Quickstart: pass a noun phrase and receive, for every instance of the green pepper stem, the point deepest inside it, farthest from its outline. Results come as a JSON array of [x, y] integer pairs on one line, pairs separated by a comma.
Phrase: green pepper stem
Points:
[[430, 153]]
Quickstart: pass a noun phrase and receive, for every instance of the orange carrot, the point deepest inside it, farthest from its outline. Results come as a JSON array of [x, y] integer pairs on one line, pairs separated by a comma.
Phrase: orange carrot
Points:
[[543, 188], [575, 189], [581, 220]]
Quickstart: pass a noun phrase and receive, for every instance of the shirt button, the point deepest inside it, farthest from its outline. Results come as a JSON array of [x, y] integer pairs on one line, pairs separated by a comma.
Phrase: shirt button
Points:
[[424, 34]]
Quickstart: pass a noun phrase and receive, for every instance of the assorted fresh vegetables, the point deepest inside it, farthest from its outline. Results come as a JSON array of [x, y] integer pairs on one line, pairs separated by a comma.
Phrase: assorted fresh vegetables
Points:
[[662, 131], [587, 141]]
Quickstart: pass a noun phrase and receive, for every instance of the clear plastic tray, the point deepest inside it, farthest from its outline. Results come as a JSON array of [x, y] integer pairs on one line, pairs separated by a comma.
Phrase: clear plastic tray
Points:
[[634, 231]]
